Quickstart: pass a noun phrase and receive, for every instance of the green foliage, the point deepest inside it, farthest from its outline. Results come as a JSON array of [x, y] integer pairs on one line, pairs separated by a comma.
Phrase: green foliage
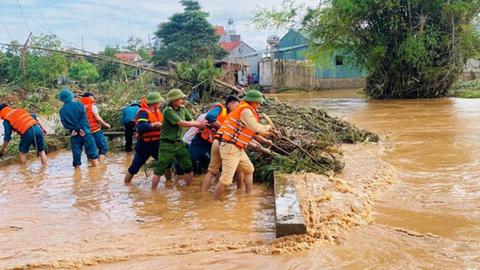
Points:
[[187, 36], [133, 44], [84, 72], [201, 75], [33, 68], [287, 16], [409, 49], [466, 89], [143, 52], [108, 70]]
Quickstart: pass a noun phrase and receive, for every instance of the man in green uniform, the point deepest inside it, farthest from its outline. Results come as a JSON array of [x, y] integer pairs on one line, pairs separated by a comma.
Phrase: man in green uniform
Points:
[[172, 148]]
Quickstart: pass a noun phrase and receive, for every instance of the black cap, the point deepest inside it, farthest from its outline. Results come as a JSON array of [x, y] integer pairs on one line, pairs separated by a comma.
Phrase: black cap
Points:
[[230, 99], [3, 105], [87, 94]]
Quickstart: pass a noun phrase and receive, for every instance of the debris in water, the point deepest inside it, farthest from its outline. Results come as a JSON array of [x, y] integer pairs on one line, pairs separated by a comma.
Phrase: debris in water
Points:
[[311, 137]]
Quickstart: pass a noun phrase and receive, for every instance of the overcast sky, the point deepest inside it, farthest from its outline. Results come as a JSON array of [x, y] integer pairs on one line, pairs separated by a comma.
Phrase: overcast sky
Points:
[[111, 22]]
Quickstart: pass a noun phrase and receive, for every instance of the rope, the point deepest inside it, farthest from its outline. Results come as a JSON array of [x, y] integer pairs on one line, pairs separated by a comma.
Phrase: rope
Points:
[[23, 15]]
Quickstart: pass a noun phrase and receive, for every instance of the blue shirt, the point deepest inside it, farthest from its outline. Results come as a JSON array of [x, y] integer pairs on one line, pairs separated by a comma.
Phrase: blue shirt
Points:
[[74, 117], [212, 115], [143, 126], [129, 113], [7, 128]]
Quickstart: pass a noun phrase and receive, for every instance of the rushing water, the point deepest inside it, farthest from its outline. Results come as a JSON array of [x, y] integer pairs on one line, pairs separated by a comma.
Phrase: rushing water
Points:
[[434, 145], [429, 218]]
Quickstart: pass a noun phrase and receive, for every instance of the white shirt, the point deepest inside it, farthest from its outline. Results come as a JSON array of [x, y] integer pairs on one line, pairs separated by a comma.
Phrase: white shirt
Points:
[[191, 132], [95, 109]]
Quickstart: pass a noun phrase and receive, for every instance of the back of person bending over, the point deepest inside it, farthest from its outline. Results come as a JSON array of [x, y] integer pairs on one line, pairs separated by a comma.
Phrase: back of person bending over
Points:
[[28, 127]]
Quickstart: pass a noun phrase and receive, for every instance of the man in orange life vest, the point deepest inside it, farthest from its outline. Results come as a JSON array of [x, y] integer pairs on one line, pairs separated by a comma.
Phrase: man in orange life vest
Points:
[[30, 130], [238, 130], [148, 123], [96, 123], [201, 144], [216, 117]]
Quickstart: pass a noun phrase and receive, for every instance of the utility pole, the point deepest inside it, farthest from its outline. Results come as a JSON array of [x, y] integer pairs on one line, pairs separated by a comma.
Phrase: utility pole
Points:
[[83, 44], [24, 51]]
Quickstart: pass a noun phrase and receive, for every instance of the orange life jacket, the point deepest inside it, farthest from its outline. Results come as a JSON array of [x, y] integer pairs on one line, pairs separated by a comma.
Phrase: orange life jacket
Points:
[[233, 131], [19, 119], [153, 116], [210, 133], [88, 102]]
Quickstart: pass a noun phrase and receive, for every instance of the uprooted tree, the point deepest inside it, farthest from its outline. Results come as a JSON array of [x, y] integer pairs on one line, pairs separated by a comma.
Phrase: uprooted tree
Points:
[[408, 48]]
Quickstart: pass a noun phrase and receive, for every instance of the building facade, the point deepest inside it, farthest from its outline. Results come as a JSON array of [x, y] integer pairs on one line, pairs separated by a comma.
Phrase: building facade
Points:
[[287, 66]]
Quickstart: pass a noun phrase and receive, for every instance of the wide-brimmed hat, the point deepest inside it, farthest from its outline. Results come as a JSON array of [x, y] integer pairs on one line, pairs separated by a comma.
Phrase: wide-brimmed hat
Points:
[[253, 96], [175, 94], [154, 97]]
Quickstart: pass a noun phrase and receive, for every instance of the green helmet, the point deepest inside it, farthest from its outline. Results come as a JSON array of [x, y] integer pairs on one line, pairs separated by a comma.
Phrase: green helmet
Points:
[[253, 96], [154, 97], [175, 94]]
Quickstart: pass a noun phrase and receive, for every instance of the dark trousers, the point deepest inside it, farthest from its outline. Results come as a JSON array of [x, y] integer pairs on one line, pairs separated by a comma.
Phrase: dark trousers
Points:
[[143, 151], [129, 131]]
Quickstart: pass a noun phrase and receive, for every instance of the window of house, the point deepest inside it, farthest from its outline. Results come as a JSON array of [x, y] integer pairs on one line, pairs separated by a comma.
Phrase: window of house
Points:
[[338, 60]]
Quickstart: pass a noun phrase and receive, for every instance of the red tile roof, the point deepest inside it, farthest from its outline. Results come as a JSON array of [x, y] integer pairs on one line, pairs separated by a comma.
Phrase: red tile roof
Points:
[[127, 56], [219, 30], [229, 46]]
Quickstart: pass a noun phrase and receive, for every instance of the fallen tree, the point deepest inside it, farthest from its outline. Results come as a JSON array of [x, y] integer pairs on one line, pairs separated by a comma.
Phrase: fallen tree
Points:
[[309, 143]]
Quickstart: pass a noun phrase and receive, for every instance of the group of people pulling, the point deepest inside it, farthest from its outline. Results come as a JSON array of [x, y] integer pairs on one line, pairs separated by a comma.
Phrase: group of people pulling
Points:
[[216, 141]]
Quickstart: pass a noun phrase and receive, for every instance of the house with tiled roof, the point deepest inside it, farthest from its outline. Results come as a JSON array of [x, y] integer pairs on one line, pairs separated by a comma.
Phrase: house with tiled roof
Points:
[[236, 49], [220, 31], [128, 56]]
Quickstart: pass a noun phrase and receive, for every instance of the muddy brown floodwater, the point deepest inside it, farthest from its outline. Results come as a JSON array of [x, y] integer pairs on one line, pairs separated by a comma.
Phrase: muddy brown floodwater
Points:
[[429, 217]]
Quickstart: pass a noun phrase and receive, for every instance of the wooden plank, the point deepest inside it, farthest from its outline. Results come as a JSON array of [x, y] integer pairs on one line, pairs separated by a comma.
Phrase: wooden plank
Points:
[[288, 218]]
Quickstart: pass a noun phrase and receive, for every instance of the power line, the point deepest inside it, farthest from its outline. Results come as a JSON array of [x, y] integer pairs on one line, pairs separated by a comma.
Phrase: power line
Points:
[[23, 15], [113, 60], [49, 29], [44, 20], [6, 29]]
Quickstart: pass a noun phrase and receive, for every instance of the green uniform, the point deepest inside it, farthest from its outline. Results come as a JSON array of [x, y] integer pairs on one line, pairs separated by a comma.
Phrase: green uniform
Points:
[[171, 144]]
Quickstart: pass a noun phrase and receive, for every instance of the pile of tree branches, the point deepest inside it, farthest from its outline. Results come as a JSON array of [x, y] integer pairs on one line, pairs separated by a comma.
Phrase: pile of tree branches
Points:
[[309, 141]]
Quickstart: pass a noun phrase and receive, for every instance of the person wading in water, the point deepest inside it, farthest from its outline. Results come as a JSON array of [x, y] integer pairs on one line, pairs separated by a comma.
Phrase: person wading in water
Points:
[[27, 126]]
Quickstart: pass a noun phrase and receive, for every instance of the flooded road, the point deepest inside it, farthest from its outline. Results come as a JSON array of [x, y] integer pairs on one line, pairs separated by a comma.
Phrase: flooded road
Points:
[[428, 218], [56, 216], [431, 216]]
